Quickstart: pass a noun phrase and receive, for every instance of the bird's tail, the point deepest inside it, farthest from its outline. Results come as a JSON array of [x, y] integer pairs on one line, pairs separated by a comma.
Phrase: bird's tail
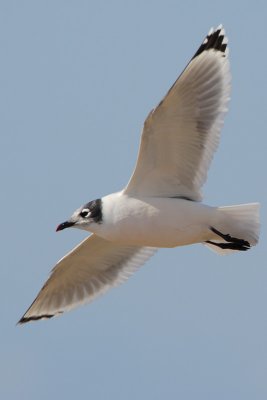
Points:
[[236, 229]]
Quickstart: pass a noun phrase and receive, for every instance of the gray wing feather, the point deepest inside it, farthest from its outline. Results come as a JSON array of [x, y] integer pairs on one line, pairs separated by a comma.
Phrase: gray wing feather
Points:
[[89, 270], [182, 133]]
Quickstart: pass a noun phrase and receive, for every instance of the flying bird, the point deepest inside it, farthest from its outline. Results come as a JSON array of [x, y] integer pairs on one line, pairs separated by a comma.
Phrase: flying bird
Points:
[[161, 204]]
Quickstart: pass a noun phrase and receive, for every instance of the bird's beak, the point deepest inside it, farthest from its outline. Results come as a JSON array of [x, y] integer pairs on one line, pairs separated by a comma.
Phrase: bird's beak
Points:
[[64, 225]]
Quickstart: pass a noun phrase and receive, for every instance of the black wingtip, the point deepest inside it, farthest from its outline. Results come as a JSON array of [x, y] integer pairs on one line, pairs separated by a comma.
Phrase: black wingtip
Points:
[[24, 320], [215, 39]]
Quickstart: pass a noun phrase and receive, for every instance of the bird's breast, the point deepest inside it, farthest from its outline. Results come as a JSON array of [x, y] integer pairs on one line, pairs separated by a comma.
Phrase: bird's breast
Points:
[[155, 222]]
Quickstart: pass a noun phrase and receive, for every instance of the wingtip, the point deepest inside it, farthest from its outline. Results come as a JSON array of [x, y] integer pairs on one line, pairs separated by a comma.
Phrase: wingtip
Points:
[[32, 318], [214, 40]]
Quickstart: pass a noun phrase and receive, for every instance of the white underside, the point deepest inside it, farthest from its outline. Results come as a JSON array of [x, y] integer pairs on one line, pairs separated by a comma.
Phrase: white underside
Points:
[[155, 222]]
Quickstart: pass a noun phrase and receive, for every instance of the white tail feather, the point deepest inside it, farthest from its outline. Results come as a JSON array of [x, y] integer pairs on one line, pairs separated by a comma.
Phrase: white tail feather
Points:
[[241, 221]]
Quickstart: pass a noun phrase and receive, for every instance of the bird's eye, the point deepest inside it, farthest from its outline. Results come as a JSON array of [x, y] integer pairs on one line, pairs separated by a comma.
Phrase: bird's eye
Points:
[[85, 212]]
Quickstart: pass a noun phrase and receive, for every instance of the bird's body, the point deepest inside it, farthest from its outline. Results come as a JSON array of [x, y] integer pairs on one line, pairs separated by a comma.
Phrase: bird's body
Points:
[[154, 221], [167, 222], [160, 206]]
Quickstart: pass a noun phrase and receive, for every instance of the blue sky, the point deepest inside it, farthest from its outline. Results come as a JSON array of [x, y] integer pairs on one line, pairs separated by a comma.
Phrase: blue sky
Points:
[[77, 81]]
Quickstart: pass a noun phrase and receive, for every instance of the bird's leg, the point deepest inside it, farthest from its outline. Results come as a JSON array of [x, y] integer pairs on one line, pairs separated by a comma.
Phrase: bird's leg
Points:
[[231, 242]]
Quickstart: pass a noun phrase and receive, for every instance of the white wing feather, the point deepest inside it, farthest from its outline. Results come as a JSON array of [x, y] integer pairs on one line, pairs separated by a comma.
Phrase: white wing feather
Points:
[[89, 270], [181, 134]]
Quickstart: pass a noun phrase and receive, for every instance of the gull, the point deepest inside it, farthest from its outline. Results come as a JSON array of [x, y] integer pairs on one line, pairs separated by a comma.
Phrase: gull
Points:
[[161, 206]]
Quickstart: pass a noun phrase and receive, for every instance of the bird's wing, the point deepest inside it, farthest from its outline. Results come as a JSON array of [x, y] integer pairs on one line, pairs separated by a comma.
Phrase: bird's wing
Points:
[[181, 134], [89, 270]]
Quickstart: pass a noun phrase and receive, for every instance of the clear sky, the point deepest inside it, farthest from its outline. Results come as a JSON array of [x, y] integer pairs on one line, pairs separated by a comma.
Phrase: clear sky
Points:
[[77, 81]]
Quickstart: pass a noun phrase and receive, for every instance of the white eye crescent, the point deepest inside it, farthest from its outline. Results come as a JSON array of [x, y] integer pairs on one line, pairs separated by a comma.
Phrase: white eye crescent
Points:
[[85, 212]]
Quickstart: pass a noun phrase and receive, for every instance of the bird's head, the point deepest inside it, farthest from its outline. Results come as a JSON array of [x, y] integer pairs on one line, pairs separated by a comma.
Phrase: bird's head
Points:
[[84, 217]]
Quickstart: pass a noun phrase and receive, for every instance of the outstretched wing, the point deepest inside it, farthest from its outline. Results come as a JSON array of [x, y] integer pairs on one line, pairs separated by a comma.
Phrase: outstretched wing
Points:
[[89, 270], [181, 134]]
